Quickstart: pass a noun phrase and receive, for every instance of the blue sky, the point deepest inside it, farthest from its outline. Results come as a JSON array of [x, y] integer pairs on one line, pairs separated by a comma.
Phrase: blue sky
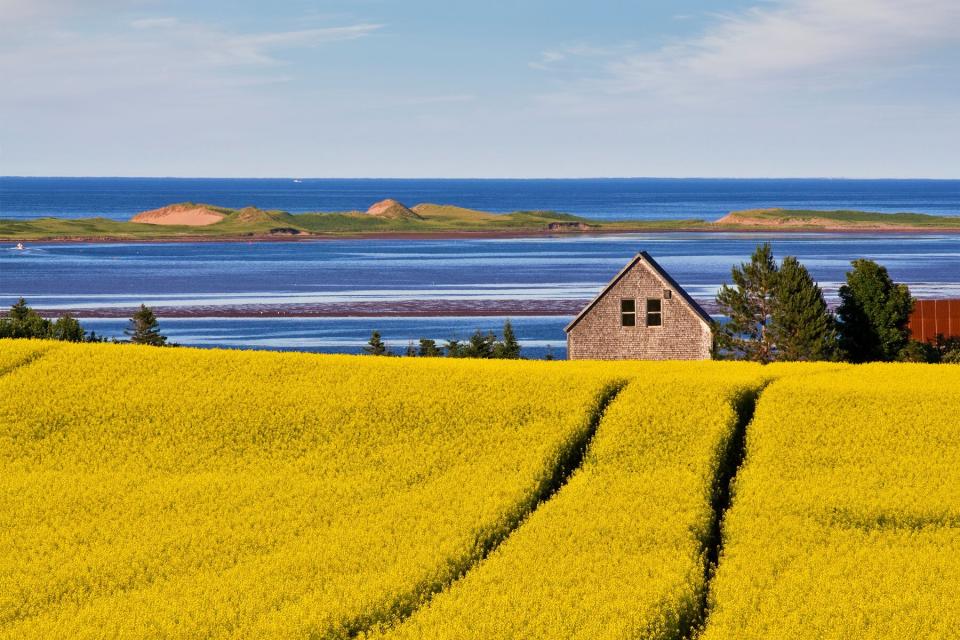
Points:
[[839, 88]]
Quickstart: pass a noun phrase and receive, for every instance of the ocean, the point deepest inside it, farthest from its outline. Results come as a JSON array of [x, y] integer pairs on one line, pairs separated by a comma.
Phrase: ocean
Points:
[[627, 198], [235, 295]]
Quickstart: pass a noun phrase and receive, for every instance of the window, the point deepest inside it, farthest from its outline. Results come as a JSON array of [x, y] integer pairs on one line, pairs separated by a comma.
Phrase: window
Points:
[[628, 312], [654, 312]]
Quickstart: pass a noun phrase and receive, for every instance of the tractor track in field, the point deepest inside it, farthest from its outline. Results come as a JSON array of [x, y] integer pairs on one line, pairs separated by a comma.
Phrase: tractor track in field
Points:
[[730, 465], [570, 461], [33, 357]]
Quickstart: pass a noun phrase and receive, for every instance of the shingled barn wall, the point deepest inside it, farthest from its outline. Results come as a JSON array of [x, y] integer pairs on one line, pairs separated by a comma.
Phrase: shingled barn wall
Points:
[[598, 335]]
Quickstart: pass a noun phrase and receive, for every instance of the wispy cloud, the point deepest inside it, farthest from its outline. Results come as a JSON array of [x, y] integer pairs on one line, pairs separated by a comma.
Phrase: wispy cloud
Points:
[[783, 43], [162, 52]]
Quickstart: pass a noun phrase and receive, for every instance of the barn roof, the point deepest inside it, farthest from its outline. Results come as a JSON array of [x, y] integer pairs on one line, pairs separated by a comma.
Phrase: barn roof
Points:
[[657, 269]]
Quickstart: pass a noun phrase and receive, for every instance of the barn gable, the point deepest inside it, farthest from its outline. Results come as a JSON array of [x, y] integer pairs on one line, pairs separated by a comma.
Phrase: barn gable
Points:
[[641, 314]]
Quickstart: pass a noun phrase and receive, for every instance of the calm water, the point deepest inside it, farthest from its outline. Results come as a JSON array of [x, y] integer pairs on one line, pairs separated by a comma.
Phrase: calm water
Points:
[[120, 198], [219, 277]]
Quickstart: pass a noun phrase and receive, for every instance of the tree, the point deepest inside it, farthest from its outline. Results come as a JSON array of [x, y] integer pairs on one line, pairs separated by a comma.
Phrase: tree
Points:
[[411, 351], [144, 328], [428, 349], [20, 311], [376, 346], [873, 314], [24, 322], [454, 349], [801, 325], [549, 354], [67, 328], [749, 307], [480, 345], [509, 347]]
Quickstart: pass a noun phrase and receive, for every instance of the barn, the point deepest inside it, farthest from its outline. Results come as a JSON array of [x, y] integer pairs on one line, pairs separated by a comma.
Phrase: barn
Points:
[[643, 314], [931, 318]]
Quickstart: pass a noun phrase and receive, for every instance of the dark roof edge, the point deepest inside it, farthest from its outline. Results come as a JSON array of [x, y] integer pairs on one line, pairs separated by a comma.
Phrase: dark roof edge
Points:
[[643, 255]]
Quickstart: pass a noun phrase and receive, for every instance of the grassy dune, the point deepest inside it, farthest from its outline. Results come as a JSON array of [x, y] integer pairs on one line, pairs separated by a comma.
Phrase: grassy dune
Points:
[[252, 223]]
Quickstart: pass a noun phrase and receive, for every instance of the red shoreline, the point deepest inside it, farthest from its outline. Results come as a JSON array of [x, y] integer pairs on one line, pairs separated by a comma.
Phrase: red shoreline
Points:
[[481, 235], [398, 309]]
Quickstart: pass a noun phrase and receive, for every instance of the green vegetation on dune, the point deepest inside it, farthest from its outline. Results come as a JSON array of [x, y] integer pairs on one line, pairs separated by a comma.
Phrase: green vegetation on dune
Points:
[[843, 217], [251, 222]]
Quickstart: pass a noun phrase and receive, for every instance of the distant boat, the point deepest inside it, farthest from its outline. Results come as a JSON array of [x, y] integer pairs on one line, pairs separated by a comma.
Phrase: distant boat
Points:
[[19, 246], [298, 181]]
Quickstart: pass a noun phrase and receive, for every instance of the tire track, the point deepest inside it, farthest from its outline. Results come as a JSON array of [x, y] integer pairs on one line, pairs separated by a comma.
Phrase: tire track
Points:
[[570, 460]]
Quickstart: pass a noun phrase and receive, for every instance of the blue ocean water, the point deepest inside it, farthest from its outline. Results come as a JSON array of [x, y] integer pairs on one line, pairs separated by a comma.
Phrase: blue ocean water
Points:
[[215, 279], [628, 198]]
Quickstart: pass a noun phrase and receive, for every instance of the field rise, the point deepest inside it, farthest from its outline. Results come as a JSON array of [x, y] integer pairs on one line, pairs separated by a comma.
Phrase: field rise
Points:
[[183, 493]]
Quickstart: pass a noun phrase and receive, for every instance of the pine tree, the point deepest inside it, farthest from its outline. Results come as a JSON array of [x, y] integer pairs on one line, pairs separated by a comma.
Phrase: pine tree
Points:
[[801, 325], [480, 345], [20, 311], [24, 322], [375, 346], [749, 307], [67, 328], [873, 314], [454, 349], [509, 347], [428, 349], [144, 328]]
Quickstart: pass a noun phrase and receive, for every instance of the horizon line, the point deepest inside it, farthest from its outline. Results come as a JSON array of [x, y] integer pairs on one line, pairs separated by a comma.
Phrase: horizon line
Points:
[[490, 178]]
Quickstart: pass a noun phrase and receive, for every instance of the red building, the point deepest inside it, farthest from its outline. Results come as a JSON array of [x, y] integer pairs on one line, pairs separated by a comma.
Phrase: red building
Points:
[[932, 317]]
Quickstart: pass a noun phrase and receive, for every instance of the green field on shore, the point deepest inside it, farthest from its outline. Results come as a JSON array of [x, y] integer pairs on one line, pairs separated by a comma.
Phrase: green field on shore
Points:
[[439, 219]]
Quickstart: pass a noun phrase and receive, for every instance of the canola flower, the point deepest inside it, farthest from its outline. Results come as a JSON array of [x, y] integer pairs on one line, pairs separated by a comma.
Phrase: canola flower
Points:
[[619, 551], [182, 493], [17, 353], [846, 517]]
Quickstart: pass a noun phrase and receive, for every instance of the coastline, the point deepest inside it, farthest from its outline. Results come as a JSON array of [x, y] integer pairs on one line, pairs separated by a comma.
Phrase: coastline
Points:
[[489, 234], [414, 308]]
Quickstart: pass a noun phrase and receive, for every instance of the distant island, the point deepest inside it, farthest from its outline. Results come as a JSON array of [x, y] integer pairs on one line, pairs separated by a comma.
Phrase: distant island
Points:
[[390, 218]]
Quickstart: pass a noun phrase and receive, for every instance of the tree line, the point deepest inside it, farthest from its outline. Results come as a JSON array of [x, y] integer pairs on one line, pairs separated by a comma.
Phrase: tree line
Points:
[[778, 313], [480, 345], [24, 322]]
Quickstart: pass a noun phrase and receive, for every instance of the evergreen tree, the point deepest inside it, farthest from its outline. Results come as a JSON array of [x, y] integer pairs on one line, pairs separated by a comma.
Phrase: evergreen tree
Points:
[[20, 311], [801, 325], [480, 345], [24, 322], [144, 328], [375, 346], [428, 349], [67, 328], [749, 306], [411, 351], [454, 349], [508, 348], [873, 314]]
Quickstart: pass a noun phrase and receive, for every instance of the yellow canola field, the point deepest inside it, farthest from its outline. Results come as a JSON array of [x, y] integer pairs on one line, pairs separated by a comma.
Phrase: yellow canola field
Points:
[[16, 353], [620, 550], [182, 493], [846, 517]]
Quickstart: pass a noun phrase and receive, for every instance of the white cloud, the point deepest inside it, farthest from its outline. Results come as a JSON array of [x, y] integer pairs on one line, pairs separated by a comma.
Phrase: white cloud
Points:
[[782, 43], [160, 53]]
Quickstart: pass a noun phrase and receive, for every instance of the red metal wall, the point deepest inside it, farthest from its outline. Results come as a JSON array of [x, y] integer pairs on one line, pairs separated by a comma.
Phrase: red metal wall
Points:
[[931, 317]]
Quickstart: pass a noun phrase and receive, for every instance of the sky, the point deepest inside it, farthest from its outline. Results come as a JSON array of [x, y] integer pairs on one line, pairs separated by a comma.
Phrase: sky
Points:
[[444, 88]]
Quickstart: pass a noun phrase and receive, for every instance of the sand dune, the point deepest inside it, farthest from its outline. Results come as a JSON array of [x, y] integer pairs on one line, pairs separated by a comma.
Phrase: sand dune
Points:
[[188, 215]]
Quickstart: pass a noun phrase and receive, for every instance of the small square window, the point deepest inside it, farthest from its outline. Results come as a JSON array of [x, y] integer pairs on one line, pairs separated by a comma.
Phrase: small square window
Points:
[[667, 294], [654, 312], [628, 312]]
